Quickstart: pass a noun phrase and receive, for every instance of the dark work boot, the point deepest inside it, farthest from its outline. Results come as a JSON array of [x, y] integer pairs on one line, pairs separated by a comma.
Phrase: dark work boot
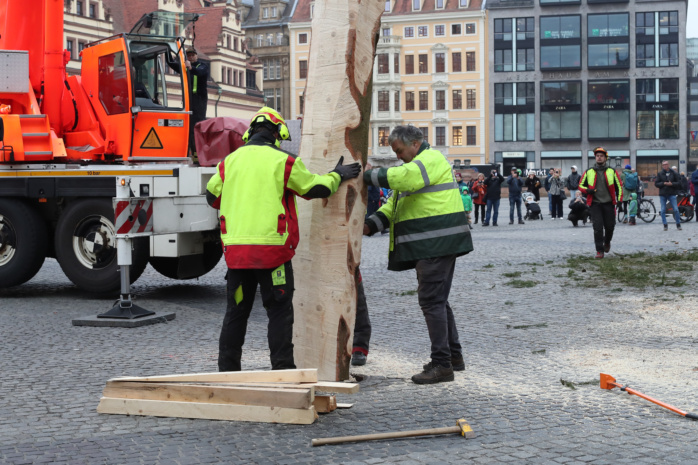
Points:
[[435, 374], [457, 363], [358, 359]]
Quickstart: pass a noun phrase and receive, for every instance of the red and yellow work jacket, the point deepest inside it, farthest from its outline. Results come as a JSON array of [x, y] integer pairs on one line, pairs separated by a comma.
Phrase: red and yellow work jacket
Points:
[[255, 189], [588, 183]]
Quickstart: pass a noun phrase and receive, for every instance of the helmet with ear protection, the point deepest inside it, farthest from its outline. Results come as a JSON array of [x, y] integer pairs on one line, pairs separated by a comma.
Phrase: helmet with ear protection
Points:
[[266, 114]]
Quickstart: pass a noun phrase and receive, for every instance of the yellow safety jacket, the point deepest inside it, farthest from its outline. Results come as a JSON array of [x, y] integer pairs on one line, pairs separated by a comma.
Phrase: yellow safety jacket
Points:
[[255, 188], [587, 185], [425, 213]]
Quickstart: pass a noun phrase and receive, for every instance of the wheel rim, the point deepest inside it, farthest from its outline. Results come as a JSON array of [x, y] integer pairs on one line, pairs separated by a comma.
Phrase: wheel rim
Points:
[[8, 241], [648, 211], [94, 242]]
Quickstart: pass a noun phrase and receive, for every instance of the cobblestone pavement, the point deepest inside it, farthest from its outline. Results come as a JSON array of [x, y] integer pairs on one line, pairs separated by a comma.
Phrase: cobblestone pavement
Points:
[[518, 345]]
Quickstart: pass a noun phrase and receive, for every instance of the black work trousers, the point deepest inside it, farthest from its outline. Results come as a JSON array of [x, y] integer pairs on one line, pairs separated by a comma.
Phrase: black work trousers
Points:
[[479, 209], [603, 218], [276, 287], [362, 325], [198, 114], [434, 277]]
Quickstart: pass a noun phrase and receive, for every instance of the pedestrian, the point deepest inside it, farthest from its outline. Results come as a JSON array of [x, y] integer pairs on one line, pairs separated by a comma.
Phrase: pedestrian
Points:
[[479, 196], [197, 75], [631, 182], [548, 177], [579, 210], [603, 189], [556, 194], [668, 182], [515, 184], [532, 184], [684, 183], [494, 194], [255, 189], [429, 231], [632, 208], [694, 186], [362, 326], [467, 204], [459, 180], [572, 182]]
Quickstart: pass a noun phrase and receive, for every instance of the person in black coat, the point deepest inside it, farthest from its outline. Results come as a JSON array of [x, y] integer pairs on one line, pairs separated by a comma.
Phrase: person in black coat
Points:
[[533, 185], [494, 194], [579, 210], [668, 182]]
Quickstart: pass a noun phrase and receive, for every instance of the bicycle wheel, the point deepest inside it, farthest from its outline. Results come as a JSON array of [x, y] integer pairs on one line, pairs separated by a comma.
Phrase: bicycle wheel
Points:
[[621, 215], [647, 211]]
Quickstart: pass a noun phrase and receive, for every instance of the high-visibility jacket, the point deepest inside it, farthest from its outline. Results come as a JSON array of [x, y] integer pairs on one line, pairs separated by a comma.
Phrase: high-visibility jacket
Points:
[[425, 213], [255, 188], [588, 182]]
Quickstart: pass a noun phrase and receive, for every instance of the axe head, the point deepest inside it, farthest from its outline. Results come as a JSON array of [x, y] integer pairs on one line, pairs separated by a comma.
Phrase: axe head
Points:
[[607, 381], [465, 430]]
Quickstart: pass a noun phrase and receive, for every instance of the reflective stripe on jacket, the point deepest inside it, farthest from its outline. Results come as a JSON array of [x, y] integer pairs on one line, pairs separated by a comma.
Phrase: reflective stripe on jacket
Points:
[[255, 188], [425, 212], [589, 182]]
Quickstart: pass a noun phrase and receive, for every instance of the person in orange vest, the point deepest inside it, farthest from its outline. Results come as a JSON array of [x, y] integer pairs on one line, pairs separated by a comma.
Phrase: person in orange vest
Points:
[[255, 189]]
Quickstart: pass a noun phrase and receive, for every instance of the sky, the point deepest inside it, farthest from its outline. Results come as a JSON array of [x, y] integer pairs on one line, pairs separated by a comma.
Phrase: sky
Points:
[[692, 19]]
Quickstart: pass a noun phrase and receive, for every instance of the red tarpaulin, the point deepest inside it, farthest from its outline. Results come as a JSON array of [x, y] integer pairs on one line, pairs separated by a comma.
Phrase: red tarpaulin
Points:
[[216, 138]]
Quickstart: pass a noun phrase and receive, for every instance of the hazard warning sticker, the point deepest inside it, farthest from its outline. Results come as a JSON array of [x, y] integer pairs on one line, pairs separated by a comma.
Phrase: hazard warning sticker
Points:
[[152, 141]]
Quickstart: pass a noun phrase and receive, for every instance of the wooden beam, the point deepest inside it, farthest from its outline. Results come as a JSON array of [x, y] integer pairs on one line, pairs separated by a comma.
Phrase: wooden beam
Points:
[[266, 396], [274, 376], [335, 123], [159, 408], [325, 404], [338, 387]]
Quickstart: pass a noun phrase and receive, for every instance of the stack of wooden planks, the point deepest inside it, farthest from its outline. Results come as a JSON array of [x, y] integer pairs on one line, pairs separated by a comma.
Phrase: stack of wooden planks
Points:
[[282, 396]]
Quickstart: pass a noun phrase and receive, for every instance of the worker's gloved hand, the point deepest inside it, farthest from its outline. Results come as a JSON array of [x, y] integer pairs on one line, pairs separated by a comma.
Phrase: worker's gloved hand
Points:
[[346, 171]]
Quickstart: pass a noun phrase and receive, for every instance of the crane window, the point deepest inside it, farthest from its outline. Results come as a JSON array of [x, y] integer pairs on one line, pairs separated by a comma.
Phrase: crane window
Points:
[[113, 83]]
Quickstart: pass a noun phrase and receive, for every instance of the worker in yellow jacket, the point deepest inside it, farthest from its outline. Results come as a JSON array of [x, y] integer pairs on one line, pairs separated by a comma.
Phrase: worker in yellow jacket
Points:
[[255, 189], [428, 230]]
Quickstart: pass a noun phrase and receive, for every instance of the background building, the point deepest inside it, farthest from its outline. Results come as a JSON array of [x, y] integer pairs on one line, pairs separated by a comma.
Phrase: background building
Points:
[[568, 75]]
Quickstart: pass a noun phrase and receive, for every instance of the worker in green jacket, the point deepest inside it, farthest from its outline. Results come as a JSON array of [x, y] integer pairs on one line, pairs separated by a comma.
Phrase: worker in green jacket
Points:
[[428, 230]]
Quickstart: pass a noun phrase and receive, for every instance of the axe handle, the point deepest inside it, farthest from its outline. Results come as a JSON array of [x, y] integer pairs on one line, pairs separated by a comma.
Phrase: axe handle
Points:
[[399, 434]]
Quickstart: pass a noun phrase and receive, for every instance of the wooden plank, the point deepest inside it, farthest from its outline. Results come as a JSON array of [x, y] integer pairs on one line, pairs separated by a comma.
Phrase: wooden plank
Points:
[[335, 123], [343, 405], [230, 412], [267, 396], [338, 387], [325, 404], [274, 376]]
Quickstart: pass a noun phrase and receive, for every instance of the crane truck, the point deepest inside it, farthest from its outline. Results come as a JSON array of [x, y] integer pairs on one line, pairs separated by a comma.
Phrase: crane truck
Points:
[[70, 144]]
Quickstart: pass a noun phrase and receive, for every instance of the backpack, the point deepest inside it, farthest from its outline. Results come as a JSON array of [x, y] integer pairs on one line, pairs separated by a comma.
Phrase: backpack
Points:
[[631, 181]]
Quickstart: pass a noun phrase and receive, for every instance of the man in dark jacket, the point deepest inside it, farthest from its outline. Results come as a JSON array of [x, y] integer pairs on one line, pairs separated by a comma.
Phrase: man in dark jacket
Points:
[[515, 184], [494, 194], [668, 182], [547, 189], [694, 181], [572, 182], [197, 74]]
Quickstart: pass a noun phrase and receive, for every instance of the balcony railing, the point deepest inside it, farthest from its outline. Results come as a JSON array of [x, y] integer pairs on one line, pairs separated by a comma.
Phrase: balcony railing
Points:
[[389, 40]]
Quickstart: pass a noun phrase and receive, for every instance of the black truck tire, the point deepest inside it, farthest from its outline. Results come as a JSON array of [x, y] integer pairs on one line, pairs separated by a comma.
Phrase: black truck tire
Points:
[[23, 242], [85, 245], [189, 266]]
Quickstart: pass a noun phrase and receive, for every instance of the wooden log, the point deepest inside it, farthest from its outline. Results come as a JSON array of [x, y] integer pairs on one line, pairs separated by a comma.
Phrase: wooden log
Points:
[[338, 387], [325, 404], [160, 408], [335, 123], [274, 376], [266, 396]]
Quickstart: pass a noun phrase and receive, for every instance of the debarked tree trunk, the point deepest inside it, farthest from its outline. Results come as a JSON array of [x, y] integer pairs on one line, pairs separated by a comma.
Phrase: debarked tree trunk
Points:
[[335, 123]]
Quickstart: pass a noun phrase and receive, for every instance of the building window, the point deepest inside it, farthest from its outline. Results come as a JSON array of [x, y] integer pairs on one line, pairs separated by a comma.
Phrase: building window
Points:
[[81, 47], [409, 31], [385, 32], [93, 11], [503, 60], [470, 61], [260, 40], [409, 101], [439, 4], [279, 38], [471, 135], [273, 12], [303, 69], [439, 30], [396, 63], [608, 41], [560, 42], [416, 6], [506, 42], [425, 133], [409, 64], [383, 67], [423, 100], [387, 6], [440, 62], [423, 31], [270, 40], [440, 135], [440, 96], [657, 107], [609, 109], [514, 108], [265, 13], [457, 97], [69, 45], [470, 28], [423, 67], [455, 62], [396, 101], [457, 133], [665, 35], [269, 97], [471, 103], [561, 115], [383, 133], [462, 3], [383, 100], [80, 8], [303, 38], [456, 29], [230, 75]]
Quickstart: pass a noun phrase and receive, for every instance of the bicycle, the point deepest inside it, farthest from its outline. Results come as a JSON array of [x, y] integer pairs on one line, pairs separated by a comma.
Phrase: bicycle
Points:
[[646, 211]]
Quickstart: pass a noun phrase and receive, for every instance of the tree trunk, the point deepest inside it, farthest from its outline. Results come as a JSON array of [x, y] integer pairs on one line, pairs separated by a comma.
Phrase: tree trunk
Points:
[[335, 123]]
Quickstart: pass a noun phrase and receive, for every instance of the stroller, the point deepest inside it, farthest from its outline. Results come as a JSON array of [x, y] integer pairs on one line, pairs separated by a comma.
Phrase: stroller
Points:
[[532, 207]]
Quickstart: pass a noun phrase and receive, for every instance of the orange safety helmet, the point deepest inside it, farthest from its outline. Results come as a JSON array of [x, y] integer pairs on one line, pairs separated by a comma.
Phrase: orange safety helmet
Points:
[[266, 114], [602, 150]]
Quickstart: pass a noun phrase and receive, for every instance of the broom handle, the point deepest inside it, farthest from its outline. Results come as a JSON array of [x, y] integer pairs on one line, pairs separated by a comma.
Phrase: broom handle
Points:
[[399, 434]]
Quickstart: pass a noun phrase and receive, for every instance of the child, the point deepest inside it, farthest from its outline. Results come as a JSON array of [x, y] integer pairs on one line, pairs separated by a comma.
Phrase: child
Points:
[[467, 204], [632, 208]]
